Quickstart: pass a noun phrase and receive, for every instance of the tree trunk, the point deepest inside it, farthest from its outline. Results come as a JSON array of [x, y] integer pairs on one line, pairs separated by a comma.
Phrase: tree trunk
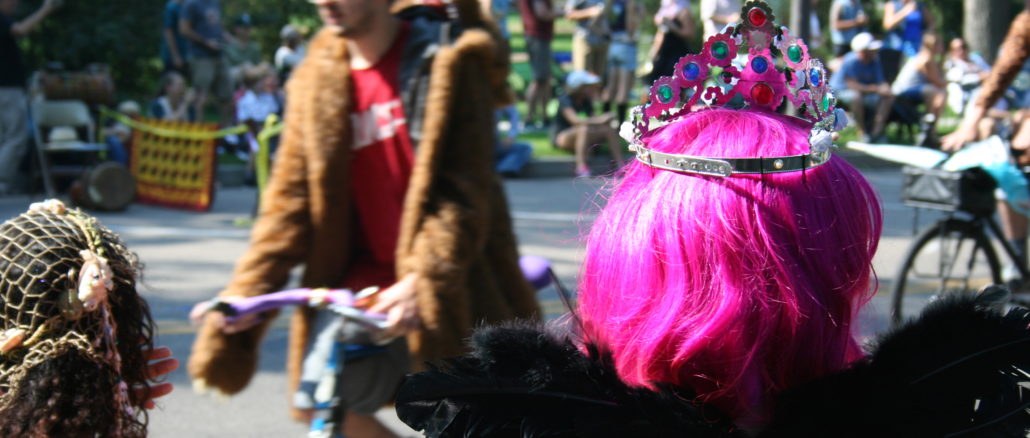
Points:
[[985, 25], [799, 18]]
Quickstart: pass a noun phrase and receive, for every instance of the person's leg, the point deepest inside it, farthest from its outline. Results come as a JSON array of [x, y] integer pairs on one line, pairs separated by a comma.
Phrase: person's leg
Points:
[[222, 90], [611, 137], [202, 78], [625, 77], [531, 101], [13, 134], [883, 110], [546, 76], [935, 98], [532, 48], [369, 383], [598, 134], [580, 50], [985, 128], [582, 139], [625, 84], [513, 158], [856, 103]]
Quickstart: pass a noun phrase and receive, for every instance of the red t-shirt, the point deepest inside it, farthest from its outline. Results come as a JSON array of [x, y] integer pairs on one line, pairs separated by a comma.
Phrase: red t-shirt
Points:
[[380, 167], [532, 25]]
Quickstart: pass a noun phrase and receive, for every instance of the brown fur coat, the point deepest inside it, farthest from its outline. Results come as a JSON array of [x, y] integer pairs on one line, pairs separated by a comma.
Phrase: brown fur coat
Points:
[[1015, 51], [455, 229]]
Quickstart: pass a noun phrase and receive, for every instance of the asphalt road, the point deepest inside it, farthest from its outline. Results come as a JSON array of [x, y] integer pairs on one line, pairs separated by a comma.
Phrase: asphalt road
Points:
[[189, 257]]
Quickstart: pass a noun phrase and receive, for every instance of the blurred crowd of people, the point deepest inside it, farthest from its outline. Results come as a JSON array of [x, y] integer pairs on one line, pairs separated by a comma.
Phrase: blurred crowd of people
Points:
[[210, 62], [900, 68]]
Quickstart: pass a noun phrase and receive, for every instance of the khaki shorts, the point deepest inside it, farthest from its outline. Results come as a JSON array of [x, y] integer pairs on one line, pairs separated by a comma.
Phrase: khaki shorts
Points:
[[211, 75], [367, 382]]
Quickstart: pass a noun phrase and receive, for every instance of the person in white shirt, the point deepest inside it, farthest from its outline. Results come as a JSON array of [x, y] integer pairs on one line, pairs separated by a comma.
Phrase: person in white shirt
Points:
[[289, 55], [716, 14], [262, 99]]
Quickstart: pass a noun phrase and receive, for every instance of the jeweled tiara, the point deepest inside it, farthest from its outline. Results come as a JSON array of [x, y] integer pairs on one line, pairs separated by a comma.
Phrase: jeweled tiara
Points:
[[712, 78]]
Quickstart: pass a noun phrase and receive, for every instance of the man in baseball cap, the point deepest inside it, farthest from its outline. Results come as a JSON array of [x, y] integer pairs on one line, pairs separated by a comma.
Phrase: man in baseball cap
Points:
[[860, 85], [577, 127]]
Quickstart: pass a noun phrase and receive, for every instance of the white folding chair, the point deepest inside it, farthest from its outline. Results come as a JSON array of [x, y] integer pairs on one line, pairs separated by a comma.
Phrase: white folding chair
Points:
[[49, 114]]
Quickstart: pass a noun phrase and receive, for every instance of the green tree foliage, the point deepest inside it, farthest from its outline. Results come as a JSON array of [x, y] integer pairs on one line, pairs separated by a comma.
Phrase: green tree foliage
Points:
[[120, 33], [269, 16], [125, 35]]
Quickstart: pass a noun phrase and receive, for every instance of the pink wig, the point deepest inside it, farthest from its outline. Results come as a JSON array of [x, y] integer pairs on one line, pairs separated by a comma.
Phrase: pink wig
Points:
[[736, 287]]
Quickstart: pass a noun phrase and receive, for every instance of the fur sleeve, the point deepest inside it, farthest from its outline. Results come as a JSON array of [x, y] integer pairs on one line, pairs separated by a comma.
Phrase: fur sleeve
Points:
[[278, 243], [450, 187], [1015, 51]]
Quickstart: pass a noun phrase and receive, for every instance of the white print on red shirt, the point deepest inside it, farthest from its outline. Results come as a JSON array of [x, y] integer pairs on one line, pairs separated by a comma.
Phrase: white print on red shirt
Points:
[[376, 124]]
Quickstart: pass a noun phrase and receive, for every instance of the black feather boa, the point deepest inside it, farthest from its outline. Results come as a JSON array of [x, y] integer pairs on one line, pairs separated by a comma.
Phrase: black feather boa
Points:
[[954, 370]]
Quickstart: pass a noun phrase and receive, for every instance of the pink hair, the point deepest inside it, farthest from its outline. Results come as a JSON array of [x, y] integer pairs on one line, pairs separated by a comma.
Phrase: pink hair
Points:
[[735, 287]]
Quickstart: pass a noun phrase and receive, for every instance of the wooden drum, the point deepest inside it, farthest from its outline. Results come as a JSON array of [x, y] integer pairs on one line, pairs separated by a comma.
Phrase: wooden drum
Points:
[[108, 186]]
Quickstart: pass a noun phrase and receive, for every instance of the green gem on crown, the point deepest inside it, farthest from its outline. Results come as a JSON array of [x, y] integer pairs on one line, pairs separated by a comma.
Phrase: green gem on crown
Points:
[[720, 50], [794, 53], [665, 94], [826, 102]]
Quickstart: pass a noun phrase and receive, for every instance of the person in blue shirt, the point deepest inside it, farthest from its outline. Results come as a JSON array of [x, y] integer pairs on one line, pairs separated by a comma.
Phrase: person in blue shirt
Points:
[[847, 19], [905, 22], [861, 86], [175, 52]]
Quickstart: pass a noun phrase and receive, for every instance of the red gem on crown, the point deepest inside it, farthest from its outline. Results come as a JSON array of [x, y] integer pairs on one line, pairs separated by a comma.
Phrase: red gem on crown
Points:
[[757, 17], [762, 94]]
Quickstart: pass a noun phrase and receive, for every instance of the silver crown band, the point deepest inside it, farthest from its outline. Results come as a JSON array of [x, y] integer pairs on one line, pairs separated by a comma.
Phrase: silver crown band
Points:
[[724, 167]]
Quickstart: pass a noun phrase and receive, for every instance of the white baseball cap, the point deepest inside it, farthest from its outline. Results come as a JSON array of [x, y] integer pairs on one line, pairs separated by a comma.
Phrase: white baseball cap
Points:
[[865, 41], [579, 78]]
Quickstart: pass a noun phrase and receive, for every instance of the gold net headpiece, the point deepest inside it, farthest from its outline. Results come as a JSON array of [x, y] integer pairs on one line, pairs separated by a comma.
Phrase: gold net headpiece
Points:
[[56, 290]]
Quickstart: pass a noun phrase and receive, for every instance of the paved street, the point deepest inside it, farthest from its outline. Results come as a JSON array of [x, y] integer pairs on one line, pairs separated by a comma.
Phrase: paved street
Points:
[[189, 257]]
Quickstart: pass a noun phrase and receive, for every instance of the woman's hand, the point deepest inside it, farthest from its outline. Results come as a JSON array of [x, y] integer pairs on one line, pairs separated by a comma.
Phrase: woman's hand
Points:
[[160, 363], [966, 132], [202, 311], [400, 305]]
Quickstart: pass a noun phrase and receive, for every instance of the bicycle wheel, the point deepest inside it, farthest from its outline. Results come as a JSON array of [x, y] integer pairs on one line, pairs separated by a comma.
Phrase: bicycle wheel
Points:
[[950, 255]]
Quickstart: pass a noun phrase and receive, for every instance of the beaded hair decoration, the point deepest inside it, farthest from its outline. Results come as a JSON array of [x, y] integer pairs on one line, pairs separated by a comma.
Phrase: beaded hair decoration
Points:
[[712, 78], [56, 289]]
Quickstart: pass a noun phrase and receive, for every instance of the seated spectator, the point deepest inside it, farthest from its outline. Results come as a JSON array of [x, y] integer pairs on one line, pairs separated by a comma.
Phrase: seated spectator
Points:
[[117, 134], [921, 81], [175, 101], [861, 86], [965, 71], [510, 155], [576, 126], [78, 337], [242, 51], [263, 97], [291, 52]]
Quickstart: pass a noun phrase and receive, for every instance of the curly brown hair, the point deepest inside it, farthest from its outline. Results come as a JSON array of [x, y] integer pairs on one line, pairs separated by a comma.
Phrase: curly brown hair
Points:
[[71, 393]]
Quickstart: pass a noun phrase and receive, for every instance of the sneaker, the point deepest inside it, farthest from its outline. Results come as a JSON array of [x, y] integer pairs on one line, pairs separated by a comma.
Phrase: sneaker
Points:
[[1010, 273], [583, 173]]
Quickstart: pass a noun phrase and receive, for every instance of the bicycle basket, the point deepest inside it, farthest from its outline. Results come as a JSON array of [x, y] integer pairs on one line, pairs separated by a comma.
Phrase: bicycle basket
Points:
[[969, 190]]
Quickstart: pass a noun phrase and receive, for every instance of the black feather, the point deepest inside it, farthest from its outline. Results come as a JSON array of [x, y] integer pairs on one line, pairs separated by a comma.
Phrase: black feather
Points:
[[522, 381], [956, 371]]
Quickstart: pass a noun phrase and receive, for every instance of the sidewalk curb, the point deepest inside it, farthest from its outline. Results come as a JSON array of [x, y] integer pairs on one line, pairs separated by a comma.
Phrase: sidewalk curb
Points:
[[864, 161], [232, 175], [565, 167]]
